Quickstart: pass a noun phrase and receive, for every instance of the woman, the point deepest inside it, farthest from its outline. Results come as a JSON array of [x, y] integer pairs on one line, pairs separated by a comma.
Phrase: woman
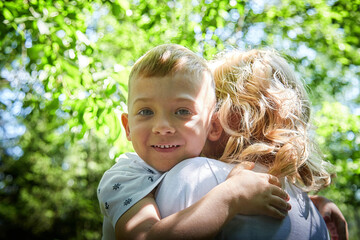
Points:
[[264, 112]]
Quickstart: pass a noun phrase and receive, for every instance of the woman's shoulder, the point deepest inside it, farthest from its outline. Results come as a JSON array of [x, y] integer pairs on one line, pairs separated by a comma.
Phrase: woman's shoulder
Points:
[[201, 163], [201, 168]]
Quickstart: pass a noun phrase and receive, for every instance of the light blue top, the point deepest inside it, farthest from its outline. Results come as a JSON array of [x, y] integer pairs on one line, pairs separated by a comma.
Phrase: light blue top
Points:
[[191, 179]]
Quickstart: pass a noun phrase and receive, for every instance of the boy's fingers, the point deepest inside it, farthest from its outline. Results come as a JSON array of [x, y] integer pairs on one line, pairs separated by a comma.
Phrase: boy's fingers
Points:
[[245, 165], [275, 213], [240, 167], [277, 191], [280, 204], [274, 180]]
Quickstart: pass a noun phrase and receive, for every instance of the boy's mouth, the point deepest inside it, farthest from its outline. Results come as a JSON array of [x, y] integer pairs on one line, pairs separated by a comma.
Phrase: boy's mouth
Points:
[[165, 146]]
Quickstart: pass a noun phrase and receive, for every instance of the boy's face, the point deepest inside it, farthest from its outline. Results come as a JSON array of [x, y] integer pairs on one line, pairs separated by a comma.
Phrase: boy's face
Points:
[[169, 118]]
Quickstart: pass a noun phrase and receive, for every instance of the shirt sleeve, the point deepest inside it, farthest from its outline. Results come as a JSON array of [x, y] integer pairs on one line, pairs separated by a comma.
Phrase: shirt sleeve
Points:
[[124, 184]]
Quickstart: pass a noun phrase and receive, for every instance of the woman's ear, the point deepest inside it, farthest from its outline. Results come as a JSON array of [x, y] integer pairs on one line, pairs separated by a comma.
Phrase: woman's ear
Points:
[[215, 128], [125, 123]]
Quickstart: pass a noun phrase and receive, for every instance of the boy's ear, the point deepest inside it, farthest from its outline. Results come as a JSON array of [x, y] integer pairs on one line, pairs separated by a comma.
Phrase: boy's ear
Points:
[[125, 123], [215, 128]]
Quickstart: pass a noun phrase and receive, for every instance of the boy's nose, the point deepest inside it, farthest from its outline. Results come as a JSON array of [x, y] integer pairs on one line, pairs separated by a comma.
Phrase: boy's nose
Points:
[[163, 127]]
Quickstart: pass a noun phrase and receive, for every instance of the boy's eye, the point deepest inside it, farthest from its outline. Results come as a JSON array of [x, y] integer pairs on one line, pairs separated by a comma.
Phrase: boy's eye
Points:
[[183, 112], [145, 112]]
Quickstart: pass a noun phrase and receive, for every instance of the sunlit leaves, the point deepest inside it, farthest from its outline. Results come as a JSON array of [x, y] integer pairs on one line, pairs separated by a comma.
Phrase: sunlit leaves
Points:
[[339, 137], [329, 122], [7, 14], [70, 60]]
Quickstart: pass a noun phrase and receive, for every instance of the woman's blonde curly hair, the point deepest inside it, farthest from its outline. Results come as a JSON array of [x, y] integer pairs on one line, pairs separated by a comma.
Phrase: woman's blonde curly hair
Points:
[[265, 110]]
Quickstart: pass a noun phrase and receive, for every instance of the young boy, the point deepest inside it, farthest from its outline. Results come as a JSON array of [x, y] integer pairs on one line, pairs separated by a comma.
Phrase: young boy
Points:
[[170, 105]]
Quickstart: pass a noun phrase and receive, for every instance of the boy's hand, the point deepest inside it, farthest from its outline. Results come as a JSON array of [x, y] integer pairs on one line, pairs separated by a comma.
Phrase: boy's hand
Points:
[[256, 193], [334, 219]]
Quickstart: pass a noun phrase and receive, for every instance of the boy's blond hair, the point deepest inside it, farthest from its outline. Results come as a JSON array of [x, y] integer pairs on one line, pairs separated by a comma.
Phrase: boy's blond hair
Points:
[[168, 59], [266, 111]]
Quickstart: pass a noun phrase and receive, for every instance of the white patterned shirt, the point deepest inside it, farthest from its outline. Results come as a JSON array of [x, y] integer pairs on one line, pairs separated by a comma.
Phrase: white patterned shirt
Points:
[[123, 185]]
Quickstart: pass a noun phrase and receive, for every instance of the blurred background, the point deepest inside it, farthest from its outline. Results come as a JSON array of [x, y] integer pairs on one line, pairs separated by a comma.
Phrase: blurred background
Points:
[[64, 67]]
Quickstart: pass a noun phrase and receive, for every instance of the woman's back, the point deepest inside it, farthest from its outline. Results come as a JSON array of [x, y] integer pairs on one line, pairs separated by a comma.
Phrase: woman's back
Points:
[[191, 179], [303, 222]]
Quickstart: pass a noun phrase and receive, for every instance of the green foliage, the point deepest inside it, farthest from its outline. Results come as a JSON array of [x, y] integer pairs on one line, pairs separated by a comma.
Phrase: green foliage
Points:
[[64, 68], [339, 136]]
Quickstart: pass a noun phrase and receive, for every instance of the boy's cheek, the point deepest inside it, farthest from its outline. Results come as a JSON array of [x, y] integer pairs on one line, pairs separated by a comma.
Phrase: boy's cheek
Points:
[[195, 122]]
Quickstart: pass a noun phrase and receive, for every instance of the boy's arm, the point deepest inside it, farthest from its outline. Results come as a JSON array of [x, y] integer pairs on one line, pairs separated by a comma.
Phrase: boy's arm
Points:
[[142, 221], [334, 219], [138, 220], [245, 192]]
